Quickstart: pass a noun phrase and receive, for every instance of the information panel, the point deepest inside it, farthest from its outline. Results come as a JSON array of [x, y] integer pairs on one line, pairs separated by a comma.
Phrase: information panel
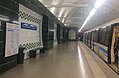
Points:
[[12, 39]]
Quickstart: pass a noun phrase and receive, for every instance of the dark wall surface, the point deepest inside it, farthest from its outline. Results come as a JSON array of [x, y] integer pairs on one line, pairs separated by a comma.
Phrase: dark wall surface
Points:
[[8, 12], [10, 9]]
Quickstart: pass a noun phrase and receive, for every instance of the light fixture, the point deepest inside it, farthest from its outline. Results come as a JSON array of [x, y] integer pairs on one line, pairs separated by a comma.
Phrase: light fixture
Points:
[[15, 22], [61, 12], [52, 10], [88, 18], [40, 0], [92, 12], [58, 18], [63, 20], [2, 17], [99, 3]]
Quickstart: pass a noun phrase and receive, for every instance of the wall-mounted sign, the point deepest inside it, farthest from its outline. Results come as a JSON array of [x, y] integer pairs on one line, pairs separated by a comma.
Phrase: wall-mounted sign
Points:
[[12, 39], [31, 29], [28, 26]]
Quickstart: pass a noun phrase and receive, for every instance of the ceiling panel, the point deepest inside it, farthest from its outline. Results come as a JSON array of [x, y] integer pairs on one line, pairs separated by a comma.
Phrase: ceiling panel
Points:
[[69, 11], [74, 12], [107, 12]]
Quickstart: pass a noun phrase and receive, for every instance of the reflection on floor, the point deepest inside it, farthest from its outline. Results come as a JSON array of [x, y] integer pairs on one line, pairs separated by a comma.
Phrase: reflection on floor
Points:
[[68, 60]]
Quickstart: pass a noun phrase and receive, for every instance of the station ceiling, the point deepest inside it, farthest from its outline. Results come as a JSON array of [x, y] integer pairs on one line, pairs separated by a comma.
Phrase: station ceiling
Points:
[[73, 13]]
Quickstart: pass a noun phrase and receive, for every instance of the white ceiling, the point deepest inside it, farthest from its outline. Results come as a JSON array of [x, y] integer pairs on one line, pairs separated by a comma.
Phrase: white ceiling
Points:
[[107, 12], [74, 12]]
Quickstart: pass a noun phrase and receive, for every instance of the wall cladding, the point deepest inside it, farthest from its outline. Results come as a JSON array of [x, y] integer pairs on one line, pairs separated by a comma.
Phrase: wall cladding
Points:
[[59, 34], [55, 35], [48, 33], [8, 11], [45, 31], [65, 34]]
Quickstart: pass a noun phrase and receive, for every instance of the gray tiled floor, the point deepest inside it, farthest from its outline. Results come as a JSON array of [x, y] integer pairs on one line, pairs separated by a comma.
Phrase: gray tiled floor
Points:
[[69, 60]]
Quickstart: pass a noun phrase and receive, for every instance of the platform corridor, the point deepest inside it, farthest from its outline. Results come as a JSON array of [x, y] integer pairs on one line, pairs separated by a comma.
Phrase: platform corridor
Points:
[[68, 60]]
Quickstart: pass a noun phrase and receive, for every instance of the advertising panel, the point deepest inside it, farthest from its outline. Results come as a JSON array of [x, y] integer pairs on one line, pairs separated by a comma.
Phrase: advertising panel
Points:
[[12, 39]]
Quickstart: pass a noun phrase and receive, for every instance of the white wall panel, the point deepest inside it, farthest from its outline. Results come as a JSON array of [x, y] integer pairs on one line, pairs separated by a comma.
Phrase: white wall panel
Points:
[[72, 34], [30, 39]]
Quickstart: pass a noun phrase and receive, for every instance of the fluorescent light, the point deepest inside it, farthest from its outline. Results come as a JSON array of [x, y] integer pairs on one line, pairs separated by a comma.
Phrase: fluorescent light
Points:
[[52, 10], [97, 29], [2, 17], [15, 22], [58, 18], [63, 20], [5, 19], [99, 3], [88, 18], [81, 28], [92, 12], [40, 0], [61, 12]]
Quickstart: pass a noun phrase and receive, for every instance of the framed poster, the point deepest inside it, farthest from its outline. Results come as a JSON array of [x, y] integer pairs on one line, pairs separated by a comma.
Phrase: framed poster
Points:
[[12, 39]]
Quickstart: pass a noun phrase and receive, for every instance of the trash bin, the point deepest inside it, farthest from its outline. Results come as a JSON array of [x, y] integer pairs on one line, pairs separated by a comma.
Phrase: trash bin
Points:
[[32, 53], [20, 55], [42, 50]]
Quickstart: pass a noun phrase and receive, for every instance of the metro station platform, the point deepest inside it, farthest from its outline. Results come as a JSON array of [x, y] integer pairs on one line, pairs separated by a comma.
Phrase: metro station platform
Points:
[[68, 60]]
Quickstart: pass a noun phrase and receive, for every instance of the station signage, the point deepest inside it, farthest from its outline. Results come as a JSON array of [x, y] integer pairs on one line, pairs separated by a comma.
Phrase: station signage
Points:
[[28, 26]]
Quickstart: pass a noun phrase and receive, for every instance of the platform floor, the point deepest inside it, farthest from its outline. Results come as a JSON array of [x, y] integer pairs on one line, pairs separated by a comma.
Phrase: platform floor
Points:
[[68, 60]]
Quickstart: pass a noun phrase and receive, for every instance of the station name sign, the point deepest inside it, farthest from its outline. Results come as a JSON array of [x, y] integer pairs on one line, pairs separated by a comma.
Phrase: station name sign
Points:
[[28, 26]]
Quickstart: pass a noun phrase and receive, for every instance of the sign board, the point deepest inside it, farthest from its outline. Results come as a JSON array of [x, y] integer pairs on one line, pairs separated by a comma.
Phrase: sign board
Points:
[[12, 39], [28, 26]]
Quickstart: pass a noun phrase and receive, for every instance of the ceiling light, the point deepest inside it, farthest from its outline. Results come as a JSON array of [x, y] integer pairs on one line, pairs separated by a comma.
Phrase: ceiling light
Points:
[[2, 17], [61, 12], [52, 10], [58, 18], [92, 12], [63, 20], [99, 3], [88, 18], [40, 0]]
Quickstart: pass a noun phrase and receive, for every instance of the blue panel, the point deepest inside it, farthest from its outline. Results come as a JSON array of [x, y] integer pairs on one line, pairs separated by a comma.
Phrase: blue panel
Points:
[[105, 51], [28, 26]]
